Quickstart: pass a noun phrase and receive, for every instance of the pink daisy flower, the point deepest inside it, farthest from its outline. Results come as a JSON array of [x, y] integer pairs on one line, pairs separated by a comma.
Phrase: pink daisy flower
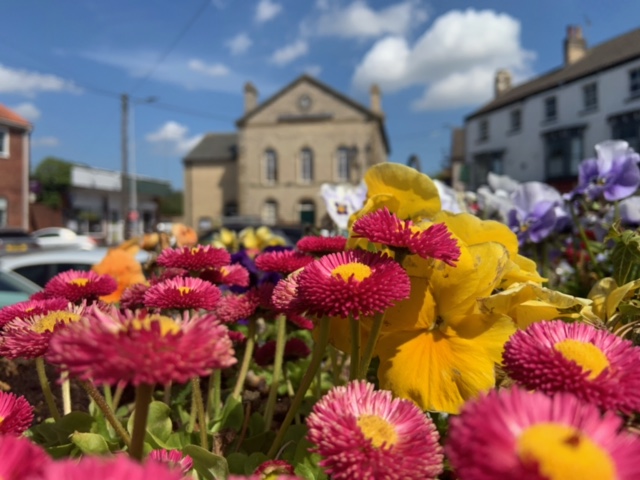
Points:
[[317, 245], [386, 228], [133, 296], [30, 337], [237, 337], [16, 414], [595, 365], [271, 468], [232, 307], [285, 296], [515, 434], [168, 273], [264, 291], [173, 459], [284, 262], [194, 258], [21, 459], [259, 476], [353, 283], [300, 321], [182, 293], [364, 434], [294, 349], [233, 275], [141, 348], [31, 308], [118, 467], [75, 286]]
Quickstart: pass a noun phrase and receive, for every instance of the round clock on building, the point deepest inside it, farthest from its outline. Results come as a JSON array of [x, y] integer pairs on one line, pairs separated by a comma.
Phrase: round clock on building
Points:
[[304, 102]]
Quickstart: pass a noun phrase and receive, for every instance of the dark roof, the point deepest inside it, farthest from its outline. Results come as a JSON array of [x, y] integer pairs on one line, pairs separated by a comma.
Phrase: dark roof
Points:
[[326, 88], [607, 55], [214, 146]]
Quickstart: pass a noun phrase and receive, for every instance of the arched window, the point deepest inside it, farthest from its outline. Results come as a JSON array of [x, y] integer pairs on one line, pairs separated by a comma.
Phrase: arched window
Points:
[[307, 212], [270, 166], [306, 165], [269, 212], [343, 164]]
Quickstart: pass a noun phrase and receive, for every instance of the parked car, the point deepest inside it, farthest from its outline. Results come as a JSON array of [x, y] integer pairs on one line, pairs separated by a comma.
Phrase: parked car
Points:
[[58, 237], [15, 240], [40, 267], [15, 288]]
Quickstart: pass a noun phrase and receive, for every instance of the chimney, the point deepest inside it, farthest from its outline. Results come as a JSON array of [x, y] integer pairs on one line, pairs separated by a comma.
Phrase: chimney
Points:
[[575, 46], [250, 97], [502, 82], [376, 100]]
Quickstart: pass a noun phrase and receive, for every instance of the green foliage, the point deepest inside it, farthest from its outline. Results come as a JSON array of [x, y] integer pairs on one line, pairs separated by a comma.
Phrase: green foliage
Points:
[[208, 465], [54, 175], [171, 205], [625, 256]]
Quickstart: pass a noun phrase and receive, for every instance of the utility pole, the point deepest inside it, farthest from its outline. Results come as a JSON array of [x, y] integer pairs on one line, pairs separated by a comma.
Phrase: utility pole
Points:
[[124, 205]]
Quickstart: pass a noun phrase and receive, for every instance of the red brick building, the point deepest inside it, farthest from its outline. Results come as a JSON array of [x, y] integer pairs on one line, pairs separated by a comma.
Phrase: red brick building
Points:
[[14, 169]]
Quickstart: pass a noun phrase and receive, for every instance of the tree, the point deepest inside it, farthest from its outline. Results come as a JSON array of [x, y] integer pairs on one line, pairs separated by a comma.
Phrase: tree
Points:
[[54, 177]]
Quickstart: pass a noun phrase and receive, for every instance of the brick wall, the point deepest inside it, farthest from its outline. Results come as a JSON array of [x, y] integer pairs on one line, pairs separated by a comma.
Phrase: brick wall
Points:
[[12, 186]]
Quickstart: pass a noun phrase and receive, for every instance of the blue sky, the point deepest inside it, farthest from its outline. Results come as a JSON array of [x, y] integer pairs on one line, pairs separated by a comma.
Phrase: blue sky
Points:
[[64, 63]]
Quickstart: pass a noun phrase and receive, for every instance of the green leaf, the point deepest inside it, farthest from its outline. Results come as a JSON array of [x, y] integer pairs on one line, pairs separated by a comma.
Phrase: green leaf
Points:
[[625, 257], [90, 443], [159, 425], [256, 424], [208, 465], [61, 451], [231, 417], [52, 434], [237, 463]]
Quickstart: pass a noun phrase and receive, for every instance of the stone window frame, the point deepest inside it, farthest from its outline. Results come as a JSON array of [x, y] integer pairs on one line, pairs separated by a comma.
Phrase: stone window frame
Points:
[[270, 175], [274, 215], [339, 165], [301, 166], [4, 211]]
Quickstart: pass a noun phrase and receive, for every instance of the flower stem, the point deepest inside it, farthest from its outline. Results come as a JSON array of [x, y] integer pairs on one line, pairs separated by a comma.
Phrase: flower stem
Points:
[[355, 348], [197, 398], [46, 389], [371, 345], [118, 395], [246, 359], [586, 241], [316, 360], [108, 396], [66, 393], [281, 339], [143, 399], [213, 395], [102, 404]]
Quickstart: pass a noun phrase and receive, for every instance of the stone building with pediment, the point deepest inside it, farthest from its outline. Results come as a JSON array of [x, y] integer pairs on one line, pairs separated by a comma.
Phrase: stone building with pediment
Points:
[[284, 149]]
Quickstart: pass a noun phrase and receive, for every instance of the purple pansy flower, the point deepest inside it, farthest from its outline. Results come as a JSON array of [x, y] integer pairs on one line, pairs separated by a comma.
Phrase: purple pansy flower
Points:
[[537, 212], [614, 174]]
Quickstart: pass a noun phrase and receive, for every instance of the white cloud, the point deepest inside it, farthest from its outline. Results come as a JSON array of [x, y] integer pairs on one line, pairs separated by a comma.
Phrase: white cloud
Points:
[[239, 44], [27, 110], [455, 59], [267, 10], [45, 142], [358, 20], [174, 137], [28, 83], [289, 53], [313, 70], [212, 70]]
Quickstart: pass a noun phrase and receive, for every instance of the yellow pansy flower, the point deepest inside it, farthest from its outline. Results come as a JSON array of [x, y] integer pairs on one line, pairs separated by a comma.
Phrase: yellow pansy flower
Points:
[[607, 295], [526, 303], [446, 351]]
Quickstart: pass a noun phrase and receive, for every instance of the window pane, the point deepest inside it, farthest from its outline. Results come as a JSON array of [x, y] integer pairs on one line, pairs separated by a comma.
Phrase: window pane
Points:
[[269, 212], [306, 165], [343, 164]]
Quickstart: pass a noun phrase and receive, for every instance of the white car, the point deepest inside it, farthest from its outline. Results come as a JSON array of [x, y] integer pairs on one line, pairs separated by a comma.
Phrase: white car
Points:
[[40, 267], [58, 237]]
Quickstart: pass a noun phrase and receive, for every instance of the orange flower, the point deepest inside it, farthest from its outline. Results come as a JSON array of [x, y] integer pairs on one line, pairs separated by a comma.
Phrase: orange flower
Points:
[[185, 236], [122, 266]]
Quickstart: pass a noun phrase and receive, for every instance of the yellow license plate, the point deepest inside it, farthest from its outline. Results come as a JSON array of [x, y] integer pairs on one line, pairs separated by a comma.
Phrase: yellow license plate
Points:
[[16, 247]]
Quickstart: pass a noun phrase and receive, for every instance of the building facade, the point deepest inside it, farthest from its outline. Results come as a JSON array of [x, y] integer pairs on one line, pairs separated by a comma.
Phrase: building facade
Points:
[[542, 129], [285, 148], [15, 154]]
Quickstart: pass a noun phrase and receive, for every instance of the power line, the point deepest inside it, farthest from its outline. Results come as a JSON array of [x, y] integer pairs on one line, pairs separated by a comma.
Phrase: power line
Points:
[[171, 46]]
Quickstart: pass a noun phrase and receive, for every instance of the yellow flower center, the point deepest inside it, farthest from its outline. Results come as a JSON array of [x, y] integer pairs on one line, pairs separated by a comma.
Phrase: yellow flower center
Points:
[[167, 324], [224, 271], [195, 250], [377, 430], [49, 321], [359, 271], [80, 282], [563, 452], [184, 291], [587, 355]]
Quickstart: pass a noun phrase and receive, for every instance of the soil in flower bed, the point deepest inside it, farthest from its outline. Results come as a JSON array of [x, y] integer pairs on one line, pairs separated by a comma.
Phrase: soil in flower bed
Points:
[[20, 377]]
